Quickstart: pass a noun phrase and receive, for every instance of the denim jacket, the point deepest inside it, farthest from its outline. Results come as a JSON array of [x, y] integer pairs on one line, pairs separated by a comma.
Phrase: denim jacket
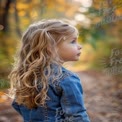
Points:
[[66, 102]]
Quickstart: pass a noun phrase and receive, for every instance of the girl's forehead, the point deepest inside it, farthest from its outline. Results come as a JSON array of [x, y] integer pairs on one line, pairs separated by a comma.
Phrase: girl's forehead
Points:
[[71, 37], [76, 34]]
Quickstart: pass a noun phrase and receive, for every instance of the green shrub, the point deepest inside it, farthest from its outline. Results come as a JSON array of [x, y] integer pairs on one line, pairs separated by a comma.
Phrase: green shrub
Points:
[[4, 84]]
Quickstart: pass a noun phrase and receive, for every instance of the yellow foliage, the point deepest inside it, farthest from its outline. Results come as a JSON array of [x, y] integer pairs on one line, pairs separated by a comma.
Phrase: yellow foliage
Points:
[[33, 13], [117, 3], [25, 21], [22, 6], [61, 2], [50, 4], [3, 97], [21, 13], [70, 12]]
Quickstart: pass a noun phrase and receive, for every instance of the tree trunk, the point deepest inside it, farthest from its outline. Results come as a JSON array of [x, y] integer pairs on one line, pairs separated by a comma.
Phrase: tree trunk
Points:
[[4, 15], [18, 30]]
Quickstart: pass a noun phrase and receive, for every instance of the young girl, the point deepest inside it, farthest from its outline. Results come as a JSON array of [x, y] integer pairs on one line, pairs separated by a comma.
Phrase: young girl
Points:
[[44, 90]]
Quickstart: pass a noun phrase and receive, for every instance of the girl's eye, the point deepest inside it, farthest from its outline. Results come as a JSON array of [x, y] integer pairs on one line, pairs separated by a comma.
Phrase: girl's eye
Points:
[[74, 41]]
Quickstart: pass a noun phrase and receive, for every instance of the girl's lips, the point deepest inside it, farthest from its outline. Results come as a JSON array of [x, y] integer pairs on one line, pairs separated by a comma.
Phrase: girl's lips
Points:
[[78, 54]]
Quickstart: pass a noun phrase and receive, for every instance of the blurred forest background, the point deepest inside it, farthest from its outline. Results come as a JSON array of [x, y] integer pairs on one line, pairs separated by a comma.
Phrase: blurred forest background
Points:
[[100, 32], [99, 24]]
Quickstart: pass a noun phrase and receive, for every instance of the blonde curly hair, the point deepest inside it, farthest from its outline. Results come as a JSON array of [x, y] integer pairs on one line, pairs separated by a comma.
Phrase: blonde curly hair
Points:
[[37, 52]]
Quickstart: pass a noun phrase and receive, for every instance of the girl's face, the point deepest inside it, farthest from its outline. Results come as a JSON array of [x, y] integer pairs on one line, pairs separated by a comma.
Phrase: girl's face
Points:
[[69, 50]]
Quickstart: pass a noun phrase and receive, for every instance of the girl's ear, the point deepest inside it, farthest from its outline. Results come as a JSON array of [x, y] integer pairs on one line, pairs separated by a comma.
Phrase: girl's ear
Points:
[[64, 38]]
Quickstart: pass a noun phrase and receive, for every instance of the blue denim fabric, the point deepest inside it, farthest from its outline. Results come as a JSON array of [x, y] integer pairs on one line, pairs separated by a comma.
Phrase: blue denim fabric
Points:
[[66, 102]]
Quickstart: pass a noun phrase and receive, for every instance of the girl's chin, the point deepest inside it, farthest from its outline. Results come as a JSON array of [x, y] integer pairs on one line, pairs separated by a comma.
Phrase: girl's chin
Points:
[[73, 59], [76, 59]]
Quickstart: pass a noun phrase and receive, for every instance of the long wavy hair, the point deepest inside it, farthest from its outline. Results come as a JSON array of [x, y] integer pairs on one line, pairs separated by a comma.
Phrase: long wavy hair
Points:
[[32, 68]]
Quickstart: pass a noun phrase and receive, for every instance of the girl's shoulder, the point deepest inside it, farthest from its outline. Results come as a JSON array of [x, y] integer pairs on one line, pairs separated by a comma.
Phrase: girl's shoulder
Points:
[[64, 72], [70, 81], [68, 73], [67, 81]]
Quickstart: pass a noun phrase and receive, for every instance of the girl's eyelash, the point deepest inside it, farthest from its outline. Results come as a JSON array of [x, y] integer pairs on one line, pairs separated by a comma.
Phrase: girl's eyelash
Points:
[[73, 41]]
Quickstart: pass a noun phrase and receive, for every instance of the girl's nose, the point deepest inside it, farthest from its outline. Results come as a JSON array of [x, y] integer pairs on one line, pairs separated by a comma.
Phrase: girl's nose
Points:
[[79, 46]]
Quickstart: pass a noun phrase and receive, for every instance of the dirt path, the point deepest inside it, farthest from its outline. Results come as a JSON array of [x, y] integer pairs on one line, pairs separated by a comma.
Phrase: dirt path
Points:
[[103, 96], [103, 99]]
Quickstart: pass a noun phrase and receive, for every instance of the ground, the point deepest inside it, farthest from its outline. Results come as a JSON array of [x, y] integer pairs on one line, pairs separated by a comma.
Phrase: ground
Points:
[[102, 95]]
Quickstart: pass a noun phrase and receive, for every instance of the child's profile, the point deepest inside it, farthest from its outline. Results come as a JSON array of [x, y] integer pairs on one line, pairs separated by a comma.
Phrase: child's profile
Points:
[[45, 91]]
